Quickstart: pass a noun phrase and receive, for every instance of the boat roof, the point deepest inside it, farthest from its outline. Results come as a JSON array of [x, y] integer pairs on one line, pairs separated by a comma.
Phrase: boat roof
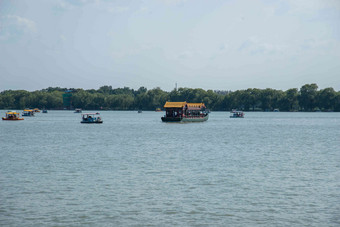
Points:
[[174, 104], [182, 104], [90, 114], [12, 112], [196, 105], [27, 110]]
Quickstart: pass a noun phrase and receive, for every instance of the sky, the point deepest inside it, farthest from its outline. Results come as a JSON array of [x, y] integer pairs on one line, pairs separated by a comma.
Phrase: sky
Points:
[[209, 44]]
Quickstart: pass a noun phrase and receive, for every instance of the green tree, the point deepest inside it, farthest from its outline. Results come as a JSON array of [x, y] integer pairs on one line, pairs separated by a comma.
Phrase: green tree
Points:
[[266, 98], [308, 97], [105, 89], [327, 99], [291, 103]]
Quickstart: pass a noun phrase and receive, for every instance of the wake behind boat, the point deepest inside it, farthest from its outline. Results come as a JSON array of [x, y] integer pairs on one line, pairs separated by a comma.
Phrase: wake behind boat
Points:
[[185, 112]]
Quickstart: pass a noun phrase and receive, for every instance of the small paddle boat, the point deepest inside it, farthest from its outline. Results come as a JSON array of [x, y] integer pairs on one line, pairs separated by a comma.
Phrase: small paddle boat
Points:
[[236, 114], [91, 118]]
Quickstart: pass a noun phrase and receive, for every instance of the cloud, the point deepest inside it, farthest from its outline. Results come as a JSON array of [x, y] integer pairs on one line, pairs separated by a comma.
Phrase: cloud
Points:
[[185, 54], [4, 36], [62, 38], [303, 7], [132, 51], [256, 46], [63, 5], [118, 9], [173, 2], [23, 23], [223, 47], [144, 9], [319, 46], [14, 26], [66, 5]]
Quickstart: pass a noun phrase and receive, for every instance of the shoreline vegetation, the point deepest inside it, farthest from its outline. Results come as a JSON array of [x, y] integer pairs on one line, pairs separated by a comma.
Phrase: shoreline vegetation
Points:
[[308, 99]]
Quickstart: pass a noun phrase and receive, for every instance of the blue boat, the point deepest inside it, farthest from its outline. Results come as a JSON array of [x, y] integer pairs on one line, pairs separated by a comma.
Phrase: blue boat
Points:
[[91, 118]]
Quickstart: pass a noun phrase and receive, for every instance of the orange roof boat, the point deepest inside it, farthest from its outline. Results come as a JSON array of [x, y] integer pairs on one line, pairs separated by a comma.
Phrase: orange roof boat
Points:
[[12, 116], [185, 112]]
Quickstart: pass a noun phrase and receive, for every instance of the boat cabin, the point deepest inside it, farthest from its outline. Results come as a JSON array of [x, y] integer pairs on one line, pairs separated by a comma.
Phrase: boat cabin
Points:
[[175, 109]]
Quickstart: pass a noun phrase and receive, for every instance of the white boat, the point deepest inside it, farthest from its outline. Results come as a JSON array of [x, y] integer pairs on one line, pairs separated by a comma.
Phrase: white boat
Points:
[[236, 114]]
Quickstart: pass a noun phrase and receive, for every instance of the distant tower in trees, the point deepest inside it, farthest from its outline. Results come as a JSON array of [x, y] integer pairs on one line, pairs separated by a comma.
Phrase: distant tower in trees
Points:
[[67, 100]]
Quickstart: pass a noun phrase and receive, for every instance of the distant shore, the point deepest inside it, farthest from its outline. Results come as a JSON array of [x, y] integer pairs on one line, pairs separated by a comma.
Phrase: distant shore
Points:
[[306, 99]]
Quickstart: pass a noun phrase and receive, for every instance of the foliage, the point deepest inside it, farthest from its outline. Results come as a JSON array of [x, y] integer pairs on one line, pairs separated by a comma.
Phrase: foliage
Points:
[[308, 98]]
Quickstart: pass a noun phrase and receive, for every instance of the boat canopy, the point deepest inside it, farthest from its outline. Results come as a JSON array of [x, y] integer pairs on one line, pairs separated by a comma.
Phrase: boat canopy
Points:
[[196, 106], [90, 114], [191, 106], [12, 112], [174, 104], [27, 110]]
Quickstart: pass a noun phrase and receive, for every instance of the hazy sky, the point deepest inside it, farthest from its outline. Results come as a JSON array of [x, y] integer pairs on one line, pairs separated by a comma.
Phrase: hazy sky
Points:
[[209, 44]]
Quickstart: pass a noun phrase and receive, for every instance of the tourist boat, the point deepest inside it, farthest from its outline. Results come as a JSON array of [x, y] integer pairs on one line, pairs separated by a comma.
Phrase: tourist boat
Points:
[[44, 111], [236, 114], [91, 118], [77, 110], [158, 110], [36, 110], [140, 111], [185, 112], [28, 113], [12, 116]]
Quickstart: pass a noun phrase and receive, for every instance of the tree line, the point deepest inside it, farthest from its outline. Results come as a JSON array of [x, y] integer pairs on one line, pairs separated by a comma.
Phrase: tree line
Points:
[[307, 98]]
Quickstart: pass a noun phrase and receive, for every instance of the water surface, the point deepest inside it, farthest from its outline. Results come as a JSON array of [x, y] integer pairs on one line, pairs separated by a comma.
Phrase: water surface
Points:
[[268, 169]]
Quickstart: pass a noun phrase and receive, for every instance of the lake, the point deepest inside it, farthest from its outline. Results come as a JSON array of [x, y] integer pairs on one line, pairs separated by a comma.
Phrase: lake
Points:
[[268, 169]]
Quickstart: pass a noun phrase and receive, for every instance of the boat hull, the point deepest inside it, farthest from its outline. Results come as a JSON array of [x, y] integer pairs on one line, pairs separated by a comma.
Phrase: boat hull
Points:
[[17, 119], [185, 119], [91, 122]]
